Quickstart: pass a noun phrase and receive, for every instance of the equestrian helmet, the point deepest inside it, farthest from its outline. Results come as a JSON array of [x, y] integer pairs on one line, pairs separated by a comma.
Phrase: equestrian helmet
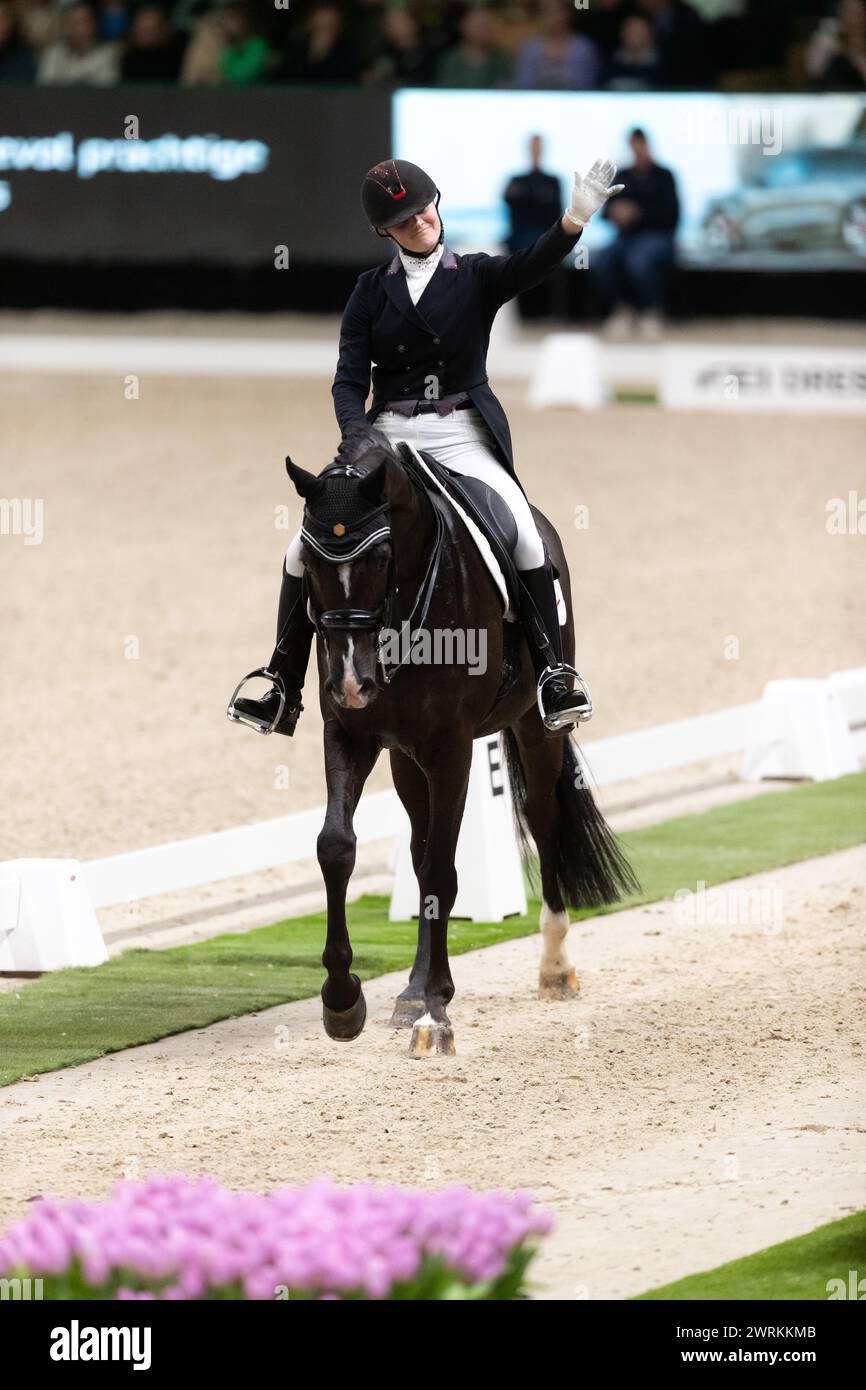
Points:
[[395, 190]]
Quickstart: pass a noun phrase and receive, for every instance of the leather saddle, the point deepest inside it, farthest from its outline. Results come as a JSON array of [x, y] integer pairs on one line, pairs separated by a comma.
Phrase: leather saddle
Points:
[[491, 514]]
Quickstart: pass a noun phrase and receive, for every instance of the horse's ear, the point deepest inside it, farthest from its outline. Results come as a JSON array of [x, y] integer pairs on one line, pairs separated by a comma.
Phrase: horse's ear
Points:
[[306, 484], [398, 489], [372, 485]]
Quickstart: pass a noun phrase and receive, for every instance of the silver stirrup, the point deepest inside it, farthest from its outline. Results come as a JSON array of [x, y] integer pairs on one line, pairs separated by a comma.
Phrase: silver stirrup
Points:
[[260, 725], [563, 717]]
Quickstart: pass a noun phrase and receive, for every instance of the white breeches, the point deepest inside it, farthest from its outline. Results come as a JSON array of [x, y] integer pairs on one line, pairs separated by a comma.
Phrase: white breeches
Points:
[[461, 441]]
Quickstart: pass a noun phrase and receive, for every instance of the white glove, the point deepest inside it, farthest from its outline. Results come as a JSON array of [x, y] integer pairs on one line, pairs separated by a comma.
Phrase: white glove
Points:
[[589, 193]]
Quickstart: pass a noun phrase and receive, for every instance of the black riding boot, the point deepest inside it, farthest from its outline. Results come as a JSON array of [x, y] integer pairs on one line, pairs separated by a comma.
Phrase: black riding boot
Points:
[[287, 667], [562, 706]]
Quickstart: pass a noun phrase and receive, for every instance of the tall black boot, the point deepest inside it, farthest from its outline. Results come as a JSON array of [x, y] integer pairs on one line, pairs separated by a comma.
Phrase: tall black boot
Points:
[[562, 707], [287, 668]]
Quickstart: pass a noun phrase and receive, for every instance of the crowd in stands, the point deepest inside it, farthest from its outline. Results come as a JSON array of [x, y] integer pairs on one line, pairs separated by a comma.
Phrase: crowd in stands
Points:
[[569, 45]]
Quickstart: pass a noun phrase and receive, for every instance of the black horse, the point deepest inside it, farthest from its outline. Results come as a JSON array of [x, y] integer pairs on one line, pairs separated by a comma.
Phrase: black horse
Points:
[[420, 570]]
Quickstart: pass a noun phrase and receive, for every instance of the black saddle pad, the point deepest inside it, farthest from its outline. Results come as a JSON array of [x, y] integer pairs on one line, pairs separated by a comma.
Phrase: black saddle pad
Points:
[[486, 508]]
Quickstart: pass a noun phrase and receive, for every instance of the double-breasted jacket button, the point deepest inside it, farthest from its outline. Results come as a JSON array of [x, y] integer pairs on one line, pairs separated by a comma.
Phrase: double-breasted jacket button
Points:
[[440, 363], [405, 390], [436, 342], [401, 347], [407, 369]]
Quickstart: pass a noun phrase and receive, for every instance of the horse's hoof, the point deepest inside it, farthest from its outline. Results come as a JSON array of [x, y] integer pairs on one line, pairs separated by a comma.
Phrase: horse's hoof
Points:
[[349, 1024], [406, 1012], [431, 1039], [563, 984]]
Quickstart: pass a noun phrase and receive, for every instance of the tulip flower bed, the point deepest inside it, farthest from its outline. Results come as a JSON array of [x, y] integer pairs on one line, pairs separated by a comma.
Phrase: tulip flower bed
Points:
[[184, 1238]]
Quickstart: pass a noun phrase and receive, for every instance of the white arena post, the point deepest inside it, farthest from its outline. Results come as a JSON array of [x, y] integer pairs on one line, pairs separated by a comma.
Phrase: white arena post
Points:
[[568, 372], [802, 731], [47, 920], [489, 868]]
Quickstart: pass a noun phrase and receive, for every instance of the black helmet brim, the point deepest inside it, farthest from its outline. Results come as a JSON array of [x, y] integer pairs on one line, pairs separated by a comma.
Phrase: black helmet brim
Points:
[[394, 191], [408, 210]]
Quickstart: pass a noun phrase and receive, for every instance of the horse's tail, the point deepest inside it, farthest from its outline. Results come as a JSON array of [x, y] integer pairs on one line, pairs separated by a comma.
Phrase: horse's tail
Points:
[[591, 867]]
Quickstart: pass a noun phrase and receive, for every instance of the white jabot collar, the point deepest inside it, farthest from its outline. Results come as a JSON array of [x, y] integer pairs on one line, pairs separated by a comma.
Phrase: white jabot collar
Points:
[[419, 269]]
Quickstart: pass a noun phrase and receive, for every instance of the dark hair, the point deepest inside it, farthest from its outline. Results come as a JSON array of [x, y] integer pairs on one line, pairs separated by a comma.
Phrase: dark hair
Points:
[[638, 134]]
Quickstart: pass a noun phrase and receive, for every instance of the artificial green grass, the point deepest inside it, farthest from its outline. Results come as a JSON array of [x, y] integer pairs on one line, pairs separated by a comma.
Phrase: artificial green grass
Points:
[[627, 395], [73, 1016], [801, 1268], [748, 837]]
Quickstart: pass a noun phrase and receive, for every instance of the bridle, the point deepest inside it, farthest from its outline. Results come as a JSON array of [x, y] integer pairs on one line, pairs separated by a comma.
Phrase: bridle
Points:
[[353, 619], [382, 617]]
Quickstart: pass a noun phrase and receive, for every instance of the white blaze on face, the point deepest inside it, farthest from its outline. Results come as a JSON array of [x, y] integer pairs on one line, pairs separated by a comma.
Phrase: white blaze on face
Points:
[[351, 685]]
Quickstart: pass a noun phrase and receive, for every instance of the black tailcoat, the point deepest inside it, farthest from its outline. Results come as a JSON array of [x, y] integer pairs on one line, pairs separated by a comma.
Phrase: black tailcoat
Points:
[[439, 347]]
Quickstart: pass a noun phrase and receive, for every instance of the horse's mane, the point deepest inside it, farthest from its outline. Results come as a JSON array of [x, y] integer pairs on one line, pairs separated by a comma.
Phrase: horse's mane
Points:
[[359, 441]]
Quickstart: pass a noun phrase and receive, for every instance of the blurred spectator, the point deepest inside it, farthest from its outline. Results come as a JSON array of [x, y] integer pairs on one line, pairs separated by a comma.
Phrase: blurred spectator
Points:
[[534, 201], [113, 20], [558, 60], [836, 57], [546, 44], [632, 270], [636, 64], [155, 50], [683, 41], [324, 54], [602, 22], [518, 21], [403, 59], [39, 21], [477, 61], [78, 57], [440, 20], [17, 60], [245, 54], [711, 10], [756, 34], [201, 60]]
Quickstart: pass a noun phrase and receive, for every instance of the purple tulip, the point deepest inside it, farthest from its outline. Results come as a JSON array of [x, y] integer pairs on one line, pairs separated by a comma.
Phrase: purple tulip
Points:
[[187, 1238]]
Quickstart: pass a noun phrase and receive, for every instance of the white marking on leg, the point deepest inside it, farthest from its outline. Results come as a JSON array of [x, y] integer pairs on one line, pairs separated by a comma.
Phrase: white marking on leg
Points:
[[554, 929]]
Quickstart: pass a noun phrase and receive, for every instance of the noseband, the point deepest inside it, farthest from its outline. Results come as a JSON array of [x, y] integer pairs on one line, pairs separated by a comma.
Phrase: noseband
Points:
[[352, 619], [359, 619]]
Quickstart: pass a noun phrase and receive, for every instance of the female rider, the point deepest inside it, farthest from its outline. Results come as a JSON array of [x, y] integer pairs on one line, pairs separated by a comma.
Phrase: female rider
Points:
[[422, 322]]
